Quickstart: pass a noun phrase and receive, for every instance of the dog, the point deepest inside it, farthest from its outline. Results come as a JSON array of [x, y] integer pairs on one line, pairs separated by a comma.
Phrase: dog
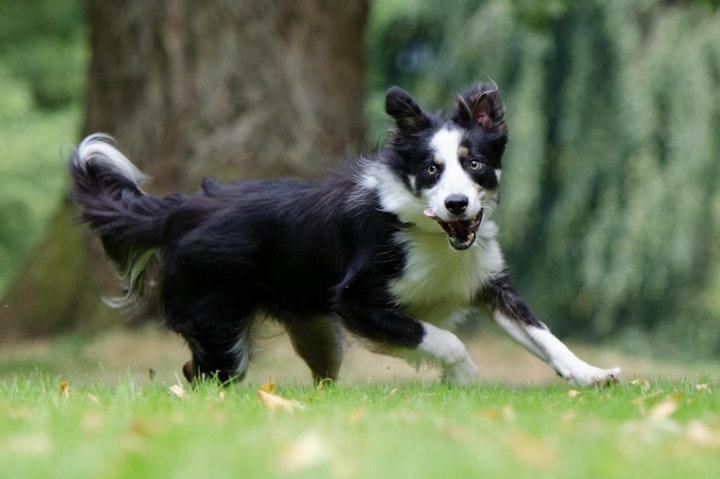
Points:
[[389, 248]]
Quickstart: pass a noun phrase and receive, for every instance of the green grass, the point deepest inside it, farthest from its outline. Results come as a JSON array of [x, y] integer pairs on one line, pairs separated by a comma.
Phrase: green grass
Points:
[[418, 430]]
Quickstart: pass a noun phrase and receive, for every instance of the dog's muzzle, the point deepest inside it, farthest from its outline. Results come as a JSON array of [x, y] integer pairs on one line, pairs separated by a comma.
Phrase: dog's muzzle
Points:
[[461, 233]]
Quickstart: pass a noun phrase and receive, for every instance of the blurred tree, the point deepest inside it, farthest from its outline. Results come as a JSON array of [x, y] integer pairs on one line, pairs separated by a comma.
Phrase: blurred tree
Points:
[[250, 88]]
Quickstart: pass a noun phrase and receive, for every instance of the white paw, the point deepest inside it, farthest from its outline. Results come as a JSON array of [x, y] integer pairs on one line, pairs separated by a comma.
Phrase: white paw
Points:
[[462, 373], [592, 376]]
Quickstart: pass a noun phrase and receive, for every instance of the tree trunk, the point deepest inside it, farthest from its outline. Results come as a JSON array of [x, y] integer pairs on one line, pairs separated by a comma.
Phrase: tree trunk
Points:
[[244, 89]]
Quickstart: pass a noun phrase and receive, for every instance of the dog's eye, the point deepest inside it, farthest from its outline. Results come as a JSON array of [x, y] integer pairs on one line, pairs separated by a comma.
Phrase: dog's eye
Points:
[[475, 165], [432, 170]]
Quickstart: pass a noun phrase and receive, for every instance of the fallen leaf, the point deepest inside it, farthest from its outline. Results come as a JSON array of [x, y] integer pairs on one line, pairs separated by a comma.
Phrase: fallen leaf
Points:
[[32, 444], [65, 389], [701, 434], [703, 388], [508, 413], [640, 400], [144, 426], [356, 415], [92, 421], [490, 414], [268, 387], [573, 393], [179, 391], [308, 451], [567, 418], [665, 408], [643, 383], [532, 451], [273, 401]]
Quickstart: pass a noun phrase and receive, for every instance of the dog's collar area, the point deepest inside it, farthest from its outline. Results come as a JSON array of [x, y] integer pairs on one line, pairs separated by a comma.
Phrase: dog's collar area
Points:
[[461, 233]]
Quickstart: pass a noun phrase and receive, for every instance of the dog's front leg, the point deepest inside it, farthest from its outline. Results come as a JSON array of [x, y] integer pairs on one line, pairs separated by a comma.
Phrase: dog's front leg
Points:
[[445, 349], [390, 330], [511, 313]]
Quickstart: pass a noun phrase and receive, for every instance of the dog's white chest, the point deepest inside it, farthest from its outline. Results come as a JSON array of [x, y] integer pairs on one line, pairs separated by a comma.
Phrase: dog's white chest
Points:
[[438, 280]]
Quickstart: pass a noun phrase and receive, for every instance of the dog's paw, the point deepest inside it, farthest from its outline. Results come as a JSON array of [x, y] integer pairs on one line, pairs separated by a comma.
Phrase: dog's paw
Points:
[[594, 377], [463, 373]]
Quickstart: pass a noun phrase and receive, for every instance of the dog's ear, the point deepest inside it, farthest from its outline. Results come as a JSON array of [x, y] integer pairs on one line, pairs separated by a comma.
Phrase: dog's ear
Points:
[[480, 105], [408, 115]]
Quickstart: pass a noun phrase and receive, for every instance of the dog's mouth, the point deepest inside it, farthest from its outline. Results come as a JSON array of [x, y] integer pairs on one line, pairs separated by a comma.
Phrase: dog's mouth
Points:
[[461, 233]]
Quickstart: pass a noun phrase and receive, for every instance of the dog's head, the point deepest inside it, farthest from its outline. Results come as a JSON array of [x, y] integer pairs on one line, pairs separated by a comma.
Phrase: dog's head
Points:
[[449, 168]]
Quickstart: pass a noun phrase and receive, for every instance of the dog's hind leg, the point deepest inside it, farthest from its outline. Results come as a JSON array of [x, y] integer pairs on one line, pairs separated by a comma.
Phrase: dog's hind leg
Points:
[[224, 358], [511, 313], [319, 341], [217, 329]]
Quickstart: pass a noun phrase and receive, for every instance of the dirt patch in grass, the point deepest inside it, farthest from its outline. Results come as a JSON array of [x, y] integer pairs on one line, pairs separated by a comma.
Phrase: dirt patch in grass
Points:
[[152, 352]]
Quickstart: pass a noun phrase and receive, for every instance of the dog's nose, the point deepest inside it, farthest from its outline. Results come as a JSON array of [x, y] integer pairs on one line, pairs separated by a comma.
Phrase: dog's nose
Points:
[[456, 204]]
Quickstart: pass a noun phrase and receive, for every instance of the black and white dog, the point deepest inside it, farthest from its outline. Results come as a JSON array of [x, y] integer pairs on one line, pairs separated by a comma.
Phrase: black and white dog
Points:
[[390, 248]]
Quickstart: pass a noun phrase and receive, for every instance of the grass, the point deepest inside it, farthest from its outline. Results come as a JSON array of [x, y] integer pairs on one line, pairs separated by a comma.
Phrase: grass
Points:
[[87, 407], [663, 429]]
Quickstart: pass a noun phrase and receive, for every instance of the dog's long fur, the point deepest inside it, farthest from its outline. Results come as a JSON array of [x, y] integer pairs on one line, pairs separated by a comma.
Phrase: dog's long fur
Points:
[[389, 247]]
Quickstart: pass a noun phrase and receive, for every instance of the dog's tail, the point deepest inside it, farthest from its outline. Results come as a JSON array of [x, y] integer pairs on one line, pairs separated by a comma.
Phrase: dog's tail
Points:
[[106, 185]]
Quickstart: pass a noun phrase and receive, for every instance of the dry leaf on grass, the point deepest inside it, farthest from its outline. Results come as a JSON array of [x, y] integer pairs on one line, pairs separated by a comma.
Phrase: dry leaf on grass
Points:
[[27, 444], [356, 415], [178, 391], [268, 387], [643, 383], [657, 421], [532, 451], [665, 408], [703, 388], [702, 434], [266, 394], [307, 451], [65, 389]]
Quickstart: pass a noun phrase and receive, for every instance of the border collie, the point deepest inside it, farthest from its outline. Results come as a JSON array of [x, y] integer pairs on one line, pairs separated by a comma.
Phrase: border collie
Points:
[[390, 247]]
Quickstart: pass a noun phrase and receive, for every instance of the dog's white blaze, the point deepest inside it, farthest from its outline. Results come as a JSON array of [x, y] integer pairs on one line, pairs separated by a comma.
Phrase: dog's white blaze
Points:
[[454, 179], [543, 344]]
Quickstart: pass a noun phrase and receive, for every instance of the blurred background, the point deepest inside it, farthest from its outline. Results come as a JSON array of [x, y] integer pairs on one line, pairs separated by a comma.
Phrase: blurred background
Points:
[[610, 209]]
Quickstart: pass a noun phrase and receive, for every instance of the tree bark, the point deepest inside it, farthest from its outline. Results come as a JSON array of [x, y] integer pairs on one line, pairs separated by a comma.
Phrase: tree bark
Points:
[[233, 89]]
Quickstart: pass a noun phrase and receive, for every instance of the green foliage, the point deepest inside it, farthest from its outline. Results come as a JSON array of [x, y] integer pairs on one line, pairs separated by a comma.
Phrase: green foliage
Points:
[[41, 76], [610, 206], [53, 429], [42, 44]]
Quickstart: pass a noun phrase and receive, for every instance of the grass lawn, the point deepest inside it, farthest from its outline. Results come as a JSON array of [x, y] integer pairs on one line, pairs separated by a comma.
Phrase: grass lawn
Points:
[[76, 414]]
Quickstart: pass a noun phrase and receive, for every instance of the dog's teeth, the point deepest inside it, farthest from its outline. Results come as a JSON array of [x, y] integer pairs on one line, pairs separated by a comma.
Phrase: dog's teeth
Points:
[[430, 213]]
